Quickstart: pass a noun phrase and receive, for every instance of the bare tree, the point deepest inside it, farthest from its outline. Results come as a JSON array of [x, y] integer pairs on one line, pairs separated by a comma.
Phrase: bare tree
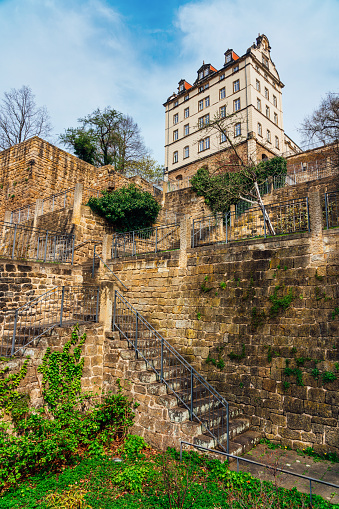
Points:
[[20, 118], [323, 124]]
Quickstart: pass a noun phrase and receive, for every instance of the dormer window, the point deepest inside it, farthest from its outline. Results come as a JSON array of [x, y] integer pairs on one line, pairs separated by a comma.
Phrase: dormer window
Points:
[[206, 72], [265, 61], [228, 58], [181, 88], [201, 75]]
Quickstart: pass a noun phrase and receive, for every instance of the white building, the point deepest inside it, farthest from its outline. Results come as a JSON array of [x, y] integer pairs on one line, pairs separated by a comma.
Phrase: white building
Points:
[[248, 86]]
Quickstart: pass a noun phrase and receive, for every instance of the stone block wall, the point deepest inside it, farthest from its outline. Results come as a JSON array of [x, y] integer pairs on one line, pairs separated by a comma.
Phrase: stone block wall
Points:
[[92, 351], [35, 169], [218, 307], [21, 282]]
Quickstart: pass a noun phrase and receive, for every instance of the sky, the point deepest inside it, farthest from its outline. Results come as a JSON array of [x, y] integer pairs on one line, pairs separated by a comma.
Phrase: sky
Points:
[[79, 55]]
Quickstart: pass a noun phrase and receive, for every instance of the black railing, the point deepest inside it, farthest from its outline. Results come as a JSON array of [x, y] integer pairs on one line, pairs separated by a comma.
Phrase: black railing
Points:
[[273, 469], [281, 219], [332, 209], [63, 305], [27, 243], [208, 230], [148, 240], [203, 402], [96, 255]]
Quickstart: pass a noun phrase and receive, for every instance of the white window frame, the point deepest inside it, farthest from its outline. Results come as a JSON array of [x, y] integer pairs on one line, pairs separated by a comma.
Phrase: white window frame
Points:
[[236, 105], [267, 111], [175, 157], [186, 112], [186, 152], [258, 104], [175, 135], [207, 101], [201, 105], [276, 118], [186, 97], [223, 138], [277, 142], [186, 129], [267, 94], [275, 102], [221, 77], [236, 68], [228, 58], [259, 127], [237, 129], [236, 86], [257, 85], [223, 111], [222, 93], [175, 119]]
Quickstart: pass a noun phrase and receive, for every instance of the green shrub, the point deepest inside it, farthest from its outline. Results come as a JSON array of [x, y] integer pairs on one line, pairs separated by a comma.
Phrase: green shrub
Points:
[[53, 435], [128, 208]]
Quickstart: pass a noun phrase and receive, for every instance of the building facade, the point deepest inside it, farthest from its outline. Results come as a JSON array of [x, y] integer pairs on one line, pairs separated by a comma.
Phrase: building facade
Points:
[[247, 92]]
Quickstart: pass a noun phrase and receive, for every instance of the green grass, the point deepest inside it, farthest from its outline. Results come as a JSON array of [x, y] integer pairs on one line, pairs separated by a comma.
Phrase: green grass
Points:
[[155, 482]]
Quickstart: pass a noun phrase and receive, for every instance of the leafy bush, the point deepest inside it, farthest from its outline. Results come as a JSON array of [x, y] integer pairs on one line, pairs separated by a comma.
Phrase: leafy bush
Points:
[[55, 434], [128, 208]]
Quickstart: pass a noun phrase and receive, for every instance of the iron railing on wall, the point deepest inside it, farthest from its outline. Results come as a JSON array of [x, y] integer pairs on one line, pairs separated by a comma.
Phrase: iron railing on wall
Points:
[[63, 305], [27, 243], [332, 209], [56, 201], [208, 230], [202, 401], [285, 218], [273, 468], [147, 240]]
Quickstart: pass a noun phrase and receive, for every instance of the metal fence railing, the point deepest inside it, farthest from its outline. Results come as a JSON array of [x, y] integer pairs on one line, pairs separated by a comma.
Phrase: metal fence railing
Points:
[[63, 305], [332, 209], [27, 243], [22, 214], [274, 469], [208, 230], [282, 218], [147, 240], [176, 185], [202, 401], [56, 201]]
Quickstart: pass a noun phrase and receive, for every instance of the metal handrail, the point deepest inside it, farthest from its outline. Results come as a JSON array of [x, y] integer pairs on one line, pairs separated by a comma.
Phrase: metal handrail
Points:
[[29, 322], [276, 469], [93, 268], [20, 241], [164, 345]]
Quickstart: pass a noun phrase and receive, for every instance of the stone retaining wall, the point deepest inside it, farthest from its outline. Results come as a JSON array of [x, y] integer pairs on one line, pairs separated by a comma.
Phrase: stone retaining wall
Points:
[[218, 307]]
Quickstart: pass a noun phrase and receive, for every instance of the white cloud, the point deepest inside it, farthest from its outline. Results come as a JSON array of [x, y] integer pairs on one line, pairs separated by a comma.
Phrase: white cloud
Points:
[[303, 35], [78, 55]]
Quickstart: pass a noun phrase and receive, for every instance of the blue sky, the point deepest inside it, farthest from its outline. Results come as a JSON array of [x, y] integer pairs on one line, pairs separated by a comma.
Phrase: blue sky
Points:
[[78, 55]]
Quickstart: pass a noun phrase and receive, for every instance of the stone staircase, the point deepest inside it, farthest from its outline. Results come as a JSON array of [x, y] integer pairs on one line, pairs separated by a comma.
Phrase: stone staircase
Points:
[[164, 417]]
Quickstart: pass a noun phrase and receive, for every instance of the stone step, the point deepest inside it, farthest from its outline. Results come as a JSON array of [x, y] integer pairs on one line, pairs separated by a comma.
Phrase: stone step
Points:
[[236, 427], [244, 442]]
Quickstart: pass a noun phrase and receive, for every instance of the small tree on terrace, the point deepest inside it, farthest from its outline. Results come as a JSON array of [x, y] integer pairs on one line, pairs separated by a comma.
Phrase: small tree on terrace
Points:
[[234, 178]]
